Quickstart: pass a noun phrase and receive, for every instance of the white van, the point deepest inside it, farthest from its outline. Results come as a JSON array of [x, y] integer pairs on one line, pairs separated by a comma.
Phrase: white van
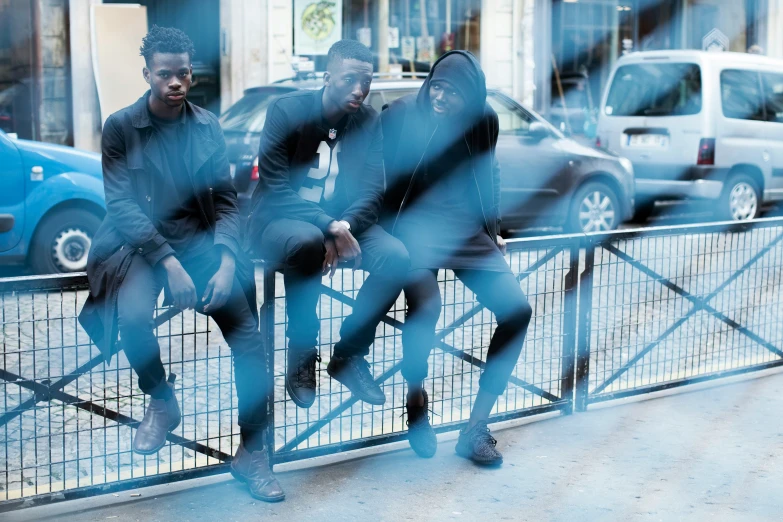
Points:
[[695, 124]]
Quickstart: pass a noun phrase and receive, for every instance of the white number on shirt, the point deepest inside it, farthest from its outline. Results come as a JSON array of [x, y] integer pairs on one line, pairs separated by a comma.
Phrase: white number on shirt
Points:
[[319, 184]]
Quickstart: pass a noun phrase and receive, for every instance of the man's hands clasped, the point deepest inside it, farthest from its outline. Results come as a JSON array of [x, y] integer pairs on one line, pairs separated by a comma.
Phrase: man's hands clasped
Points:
[[340, 246]]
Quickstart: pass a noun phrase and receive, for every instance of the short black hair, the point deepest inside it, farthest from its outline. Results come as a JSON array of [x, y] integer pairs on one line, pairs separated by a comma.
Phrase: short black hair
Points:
[[166, 40], [349, 50]]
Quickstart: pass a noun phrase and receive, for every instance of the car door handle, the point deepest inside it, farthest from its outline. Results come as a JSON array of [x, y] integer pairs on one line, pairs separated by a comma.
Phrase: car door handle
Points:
[[7, 222]]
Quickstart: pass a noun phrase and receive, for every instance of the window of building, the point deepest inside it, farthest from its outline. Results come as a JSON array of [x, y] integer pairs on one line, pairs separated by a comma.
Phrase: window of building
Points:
[[422, 30]]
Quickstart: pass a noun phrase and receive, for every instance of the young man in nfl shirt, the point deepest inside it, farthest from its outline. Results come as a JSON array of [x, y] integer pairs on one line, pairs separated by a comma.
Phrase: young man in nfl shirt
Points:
[[321, 182]]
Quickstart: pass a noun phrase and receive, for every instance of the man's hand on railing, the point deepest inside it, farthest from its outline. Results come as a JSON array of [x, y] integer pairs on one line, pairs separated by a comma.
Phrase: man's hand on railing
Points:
[[346, 244], [183, 291], [219, 286], [331, 260], [501, 244]]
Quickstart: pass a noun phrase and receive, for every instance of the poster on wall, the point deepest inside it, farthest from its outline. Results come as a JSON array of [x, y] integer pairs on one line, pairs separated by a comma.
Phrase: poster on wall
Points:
[[317, 25], [394, 37], [408, 48], [426, 46], [364, 35]]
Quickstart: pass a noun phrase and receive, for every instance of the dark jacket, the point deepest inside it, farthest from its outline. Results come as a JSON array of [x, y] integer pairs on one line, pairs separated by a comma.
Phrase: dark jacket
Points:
[[405, 128], [132, 169], [289, 146]]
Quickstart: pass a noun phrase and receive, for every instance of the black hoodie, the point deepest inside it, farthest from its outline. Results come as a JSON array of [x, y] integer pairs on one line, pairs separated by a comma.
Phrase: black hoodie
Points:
[[407, 128]]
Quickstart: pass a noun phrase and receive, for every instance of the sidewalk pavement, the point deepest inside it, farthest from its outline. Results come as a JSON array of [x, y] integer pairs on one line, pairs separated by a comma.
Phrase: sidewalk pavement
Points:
[[713, 454]]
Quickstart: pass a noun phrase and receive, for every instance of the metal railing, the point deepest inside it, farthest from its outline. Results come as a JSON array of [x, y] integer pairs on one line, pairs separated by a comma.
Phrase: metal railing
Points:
[[615, 315]]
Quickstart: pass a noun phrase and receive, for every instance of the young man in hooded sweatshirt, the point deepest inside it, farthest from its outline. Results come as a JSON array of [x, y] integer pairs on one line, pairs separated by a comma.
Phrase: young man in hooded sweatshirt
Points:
[[317, 203], [442, 202]]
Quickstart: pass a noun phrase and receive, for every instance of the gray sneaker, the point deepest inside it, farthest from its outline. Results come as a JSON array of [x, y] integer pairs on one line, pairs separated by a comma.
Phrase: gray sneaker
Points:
[[478, 445]]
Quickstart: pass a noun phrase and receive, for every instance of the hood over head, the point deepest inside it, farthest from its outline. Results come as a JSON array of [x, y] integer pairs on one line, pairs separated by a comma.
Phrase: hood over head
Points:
[[462, 70]]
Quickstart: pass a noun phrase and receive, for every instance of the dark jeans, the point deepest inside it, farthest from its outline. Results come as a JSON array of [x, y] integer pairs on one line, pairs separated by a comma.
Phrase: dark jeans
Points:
[[136, 304], [299, 247], [498, 291]]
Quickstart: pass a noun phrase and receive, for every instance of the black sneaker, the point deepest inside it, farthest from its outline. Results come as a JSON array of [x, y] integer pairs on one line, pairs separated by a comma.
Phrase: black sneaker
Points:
[[421, 436], [478, 445], [300, 377], [354, 374]]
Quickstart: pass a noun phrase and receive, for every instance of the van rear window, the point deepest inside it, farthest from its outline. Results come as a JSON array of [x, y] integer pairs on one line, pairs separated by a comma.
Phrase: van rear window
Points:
[[655, 89]]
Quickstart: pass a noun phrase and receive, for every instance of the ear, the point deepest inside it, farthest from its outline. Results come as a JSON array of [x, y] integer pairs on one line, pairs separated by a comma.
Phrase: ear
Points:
[[327, 78], [146, 73]]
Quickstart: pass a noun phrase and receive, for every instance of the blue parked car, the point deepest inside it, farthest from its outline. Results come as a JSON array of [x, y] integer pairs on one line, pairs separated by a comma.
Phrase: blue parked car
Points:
[[51, 205]]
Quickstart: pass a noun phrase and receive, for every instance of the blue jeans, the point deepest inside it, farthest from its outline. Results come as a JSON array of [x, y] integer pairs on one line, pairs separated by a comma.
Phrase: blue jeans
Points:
[[498, 291]]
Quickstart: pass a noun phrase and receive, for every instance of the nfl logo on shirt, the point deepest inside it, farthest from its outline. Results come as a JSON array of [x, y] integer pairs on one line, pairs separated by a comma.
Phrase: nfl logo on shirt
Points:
[[332, 134]]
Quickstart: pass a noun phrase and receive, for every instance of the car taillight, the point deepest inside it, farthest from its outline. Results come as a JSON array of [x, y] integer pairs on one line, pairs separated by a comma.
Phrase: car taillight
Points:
[[598, 142], [254, 172], [706, 152]]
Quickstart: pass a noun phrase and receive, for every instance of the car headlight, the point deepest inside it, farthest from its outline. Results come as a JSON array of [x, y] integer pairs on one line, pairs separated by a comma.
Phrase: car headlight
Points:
[[627, 165]]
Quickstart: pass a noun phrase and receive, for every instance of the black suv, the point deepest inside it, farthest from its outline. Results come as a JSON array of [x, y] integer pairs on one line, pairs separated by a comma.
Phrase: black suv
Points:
[[547, 180]]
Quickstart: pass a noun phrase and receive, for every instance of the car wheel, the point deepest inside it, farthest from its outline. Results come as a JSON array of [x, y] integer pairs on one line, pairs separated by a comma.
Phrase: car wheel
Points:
[[595, 208], [62, 242], [741, 199]]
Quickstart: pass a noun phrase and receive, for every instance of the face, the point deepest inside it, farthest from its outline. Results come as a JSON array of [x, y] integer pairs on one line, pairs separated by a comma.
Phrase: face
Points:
[[348, 84], [169, 76], [446, 101]]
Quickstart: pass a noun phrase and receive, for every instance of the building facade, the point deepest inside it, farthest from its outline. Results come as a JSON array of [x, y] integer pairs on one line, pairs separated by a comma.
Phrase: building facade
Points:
[[534, 50]]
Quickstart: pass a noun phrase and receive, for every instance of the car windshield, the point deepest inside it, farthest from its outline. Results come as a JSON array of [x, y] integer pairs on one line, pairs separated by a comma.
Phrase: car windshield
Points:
[[249, 113], [655, 89]]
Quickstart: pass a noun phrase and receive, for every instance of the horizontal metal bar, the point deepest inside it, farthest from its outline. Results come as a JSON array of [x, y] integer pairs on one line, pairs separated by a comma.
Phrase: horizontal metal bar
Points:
[[289, 455], [113, 487], [680, 230], [41, 283], [683, 382]]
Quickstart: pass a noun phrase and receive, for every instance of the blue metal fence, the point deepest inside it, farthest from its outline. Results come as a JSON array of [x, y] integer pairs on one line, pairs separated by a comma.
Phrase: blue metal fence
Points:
[[615, 315]]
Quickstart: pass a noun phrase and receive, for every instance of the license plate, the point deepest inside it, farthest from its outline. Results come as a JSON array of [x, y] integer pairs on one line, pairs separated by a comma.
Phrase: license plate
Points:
[[648, 141], [233, 169]]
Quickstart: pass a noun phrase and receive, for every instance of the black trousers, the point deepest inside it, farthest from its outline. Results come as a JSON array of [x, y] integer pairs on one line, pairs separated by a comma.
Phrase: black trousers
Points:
[[498, 291], [299, 247], [136, 304]]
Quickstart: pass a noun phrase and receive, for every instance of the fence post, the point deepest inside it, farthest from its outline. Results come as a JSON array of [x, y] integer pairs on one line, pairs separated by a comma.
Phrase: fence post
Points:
[[267, 320], [585, 317], [568, 356]]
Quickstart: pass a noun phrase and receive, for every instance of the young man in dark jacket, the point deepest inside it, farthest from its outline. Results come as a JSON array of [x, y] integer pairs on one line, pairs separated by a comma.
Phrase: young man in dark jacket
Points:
[[317, 202], [172, 222], [442, 202]]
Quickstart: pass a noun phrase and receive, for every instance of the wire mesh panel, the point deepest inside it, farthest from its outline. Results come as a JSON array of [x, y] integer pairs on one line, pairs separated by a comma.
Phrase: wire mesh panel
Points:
[[336, 421], [68, 419], [670, 307]]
